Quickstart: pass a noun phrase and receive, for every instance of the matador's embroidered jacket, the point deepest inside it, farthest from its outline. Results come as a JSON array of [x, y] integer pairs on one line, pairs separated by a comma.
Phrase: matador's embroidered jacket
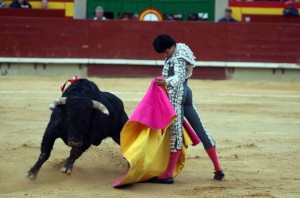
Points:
[[177, 69]]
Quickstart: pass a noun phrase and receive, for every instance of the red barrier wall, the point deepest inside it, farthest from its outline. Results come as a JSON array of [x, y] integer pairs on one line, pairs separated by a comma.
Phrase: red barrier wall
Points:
[[64, 38], [51, 38]]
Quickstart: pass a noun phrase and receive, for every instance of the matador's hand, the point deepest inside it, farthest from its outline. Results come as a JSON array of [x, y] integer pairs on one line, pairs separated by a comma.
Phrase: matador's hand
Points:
[[161, 82]]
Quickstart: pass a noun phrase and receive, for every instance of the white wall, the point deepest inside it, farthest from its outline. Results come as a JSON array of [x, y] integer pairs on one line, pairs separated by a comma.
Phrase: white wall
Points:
[[80, 9], [220, 6]]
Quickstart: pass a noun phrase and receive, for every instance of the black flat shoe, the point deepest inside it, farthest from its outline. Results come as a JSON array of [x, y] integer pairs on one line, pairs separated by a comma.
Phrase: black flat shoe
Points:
[[169, 180], [219, 175]]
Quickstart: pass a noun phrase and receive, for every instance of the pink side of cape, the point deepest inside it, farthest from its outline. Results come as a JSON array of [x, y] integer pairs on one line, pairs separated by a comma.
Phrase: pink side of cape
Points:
[[155, 109]]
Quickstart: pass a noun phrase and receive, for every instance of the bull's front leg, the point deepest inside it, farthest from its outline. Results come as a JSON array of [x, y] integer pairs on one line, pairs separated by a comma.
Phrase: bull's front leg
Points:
[[46, 147], [33, 172], [75, 153]]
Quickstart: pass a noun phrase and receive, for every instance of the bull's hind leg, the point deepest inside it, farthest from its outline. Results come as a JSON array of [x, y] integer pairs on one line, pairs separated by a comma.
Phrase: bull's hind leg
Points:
[[75, 153]]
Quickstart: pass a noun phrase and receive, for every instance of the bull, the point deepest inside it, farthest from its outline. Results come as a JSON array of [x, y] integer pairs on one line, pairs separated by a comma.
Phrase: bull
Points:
[[82, 117]]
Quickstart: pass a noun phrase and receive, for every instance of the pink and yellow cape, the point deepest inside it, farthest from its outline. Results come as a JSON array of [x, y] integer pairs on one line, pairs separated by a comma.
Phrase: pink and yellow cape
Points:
[[145, 138]]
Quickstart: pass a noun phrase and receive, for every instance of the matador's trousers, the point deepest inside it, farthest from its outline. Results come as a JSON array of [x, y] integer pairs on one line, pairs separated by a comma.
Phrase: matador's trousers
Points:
[[181, 98]]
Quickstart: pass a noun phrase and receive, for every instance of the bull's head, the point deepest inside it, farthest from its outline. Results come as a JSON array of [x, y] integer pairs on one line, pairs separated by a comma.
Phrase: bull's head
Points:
[[77, 116]]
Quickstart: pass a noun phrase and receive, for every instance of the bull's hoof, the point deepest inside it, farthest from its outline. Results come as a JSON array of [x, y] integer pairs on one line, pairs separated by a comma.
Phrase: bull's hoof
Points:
[[31, 175], [66, 170]]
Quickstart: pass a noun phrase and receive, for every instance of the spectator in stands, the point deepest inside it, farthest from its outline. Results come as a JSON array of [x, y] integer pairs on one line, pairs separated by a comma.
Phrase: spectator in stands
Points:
[[99, 14], [168, 17], [193, 17], [2, 4], [44, 4], [20, 4], [227, 16], [125, 16], [290, 9]]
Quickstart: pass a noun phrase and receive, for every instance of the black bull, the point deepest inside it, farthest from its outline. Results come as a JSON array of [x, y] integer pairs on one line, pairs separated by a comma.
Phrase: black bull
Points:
[[82, 117]]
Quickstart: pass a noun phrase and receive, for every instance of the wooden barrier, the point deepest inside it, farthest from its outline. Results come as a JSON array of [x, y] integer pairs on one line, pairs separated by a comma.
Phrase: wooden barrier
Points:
[[64, 38], [132, 40]]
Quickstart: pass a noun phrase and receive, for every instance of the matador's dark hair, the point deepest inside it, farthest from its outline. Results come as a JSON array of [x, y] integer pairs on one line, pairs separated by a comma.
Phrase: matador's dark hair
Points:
[[163, 42]]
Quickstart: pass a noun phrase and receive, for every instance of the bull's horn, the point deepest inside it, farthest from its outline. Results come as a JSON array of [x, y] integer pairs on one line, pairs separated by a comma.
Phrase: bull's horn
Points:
[[100, 107], [56, 102]]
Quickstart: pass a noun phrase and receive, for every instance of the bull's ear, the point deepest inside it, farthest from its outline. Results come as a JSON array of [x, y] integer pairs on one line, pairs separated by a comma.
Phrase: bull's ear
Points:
[[56, 102], [100, 107]]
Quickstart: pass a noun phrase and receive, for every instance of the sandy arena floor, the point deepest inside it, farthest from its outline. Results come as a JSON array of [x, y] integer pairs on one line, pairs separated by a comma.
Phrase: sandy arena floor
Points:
[[256, 126]]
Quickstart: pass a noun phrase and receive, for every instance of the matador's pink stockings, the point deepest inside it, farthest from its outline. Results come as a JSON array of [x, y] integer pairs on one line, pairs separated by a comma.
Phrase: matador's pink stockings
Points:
[[171, 165]]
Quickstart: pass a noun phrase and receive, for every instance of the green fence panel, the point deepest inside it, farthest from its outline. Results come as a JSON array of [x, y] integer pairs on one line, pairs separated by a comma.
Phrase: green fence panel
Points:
[[113, 8]]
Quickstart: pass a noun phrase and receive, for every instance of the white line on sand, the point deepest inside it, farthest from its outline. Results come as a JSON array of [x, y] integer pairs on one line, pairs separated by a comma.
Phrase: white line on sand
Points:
[[142, 93], [202, 101]]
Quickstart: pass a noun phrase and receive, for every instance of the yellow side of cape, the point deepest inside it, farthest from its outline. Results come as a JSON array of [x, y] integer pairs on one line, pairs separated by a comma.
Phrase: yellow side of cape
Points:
[[147, 151]]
